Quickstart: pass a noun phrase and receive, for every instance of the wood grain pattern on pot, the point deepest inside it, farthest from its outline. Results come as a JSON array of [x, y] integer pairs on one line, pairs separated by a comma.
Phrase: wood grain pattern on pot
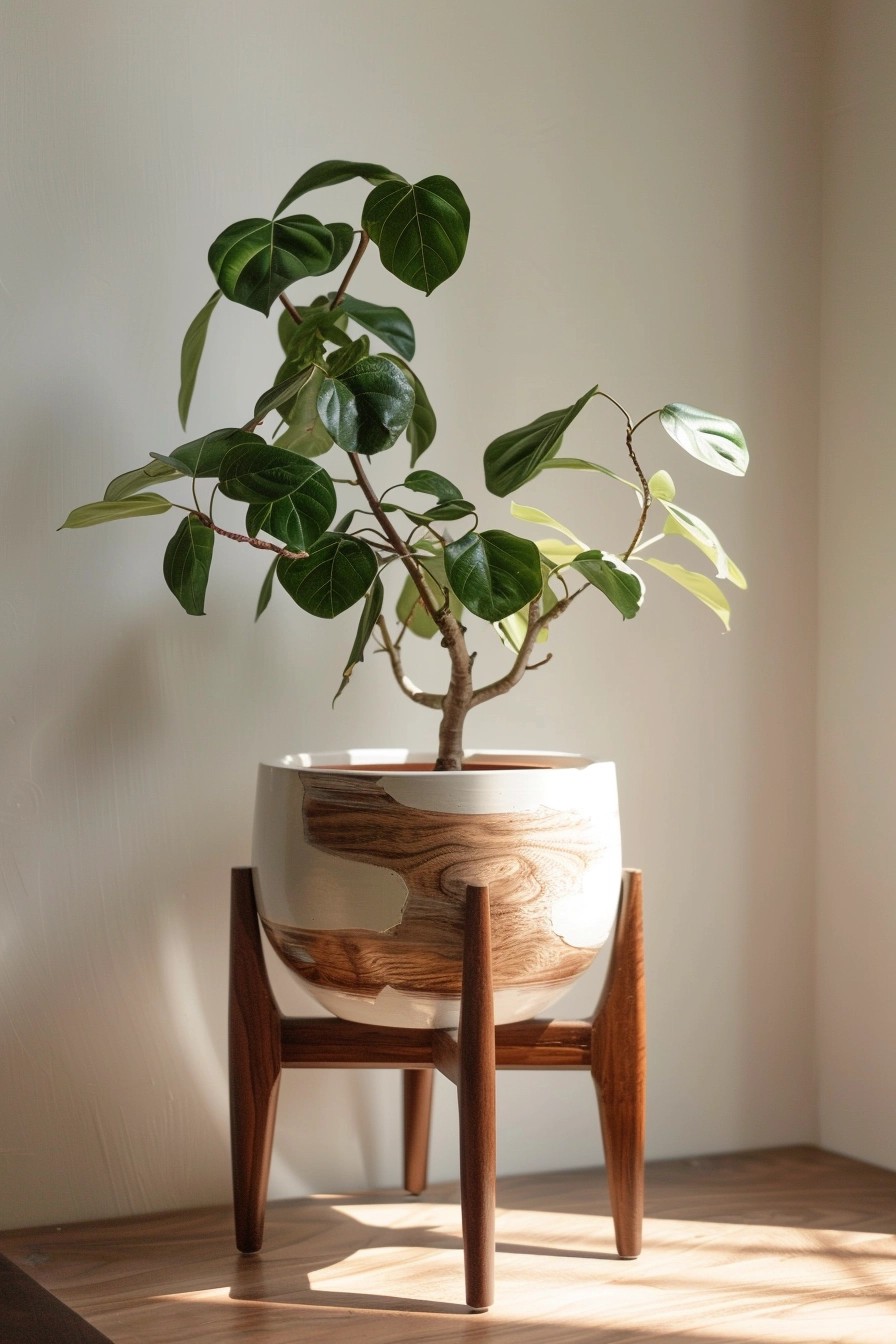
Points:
[[529, 861]]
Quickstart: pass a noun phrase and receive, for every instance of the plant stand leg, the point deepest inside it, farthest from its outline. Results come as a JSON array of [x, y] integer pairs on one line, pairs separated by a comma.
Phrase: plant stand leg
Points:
[[618, 1067], [417, 1085], [254, 1065], [476, 1103]]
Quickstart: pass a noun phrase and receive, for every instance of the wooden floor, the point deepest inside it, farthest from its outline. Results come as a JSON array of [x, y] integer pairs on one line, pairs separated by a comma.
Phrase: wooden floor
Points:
[[777, 1246]]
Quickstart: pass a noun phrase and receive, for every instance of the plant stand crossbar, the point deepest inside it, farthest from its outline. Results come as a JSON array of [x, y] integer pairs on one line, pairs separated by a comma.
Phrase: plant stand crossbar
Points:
[[611, 1045]]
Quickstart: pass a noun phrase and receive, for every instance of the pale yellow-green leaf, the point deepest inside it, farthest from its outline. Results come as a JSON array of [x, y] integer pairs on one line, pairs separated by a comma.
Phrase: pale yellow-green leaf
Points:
[[680, 523], [559, 553], [107, 510], [707, 592], [529, 515], [661, 486]]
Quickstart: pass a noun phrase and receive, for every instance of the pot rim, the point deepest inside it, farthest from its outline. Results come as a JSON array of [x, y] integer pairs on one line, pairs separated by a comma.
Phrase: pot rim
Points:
[[489, 761]]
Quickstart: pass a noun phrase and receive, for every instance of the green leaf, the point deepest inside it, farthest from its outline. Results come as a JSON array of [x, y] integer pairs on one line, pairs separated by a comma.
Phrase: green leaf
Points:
[[330, 173], [367, 408], [338, 572], [190, 355], [431, 483], [342, 360], [683, 524], [343, 237], [560, 554], [529, 515], [703, 588], [254, 260], [291, 498], [410, 609], [513, 629], [203, 457], [267, 589], [710, 438], [305, 432], [422, 425], [447, 512], [130, 482], [282, 392], [493, 573], [661, 486], [421, 229], [391, 325], [370, 612], [515, 457], [316, 324], [108, 510], [614, 579], [188, 559], [580, 464]]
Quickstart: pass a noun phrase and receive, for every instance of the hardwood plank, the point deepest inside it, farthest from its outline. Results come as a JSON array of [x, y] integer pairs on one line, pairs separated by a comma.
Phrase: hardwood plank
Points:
[[785, 1246]]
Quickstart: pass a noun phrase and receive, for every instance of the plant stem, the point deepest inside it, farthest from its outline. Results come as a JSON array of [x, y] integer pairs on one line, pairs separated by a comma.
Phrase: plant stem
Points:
[[250, 541], [347, 278], [428, 698], [537, 623], [291, 309], [645, 496]]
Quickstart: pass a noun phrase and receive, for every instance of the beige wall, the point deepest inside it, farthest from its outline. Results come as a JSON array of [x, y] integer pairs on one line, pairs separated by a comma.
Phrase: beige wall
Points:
[[857, 630], [644, 183]]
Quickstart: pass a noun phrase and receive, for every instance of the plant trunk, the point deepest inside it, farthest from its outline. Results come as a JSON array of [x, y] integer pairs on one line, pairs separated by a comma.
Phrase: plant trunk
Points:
[[458, 698]]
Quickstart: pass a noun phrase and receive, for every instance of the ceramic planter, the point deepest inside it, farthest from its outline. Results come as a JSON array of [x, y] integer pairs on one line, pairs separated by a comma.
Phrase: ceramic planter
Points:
[[361, 862]]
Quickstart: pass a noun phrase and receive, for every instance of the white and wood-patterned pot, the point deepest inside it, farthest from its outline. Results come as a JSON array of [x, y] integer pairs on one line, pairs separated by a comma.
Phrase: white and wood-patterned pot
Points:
[[362, 859]]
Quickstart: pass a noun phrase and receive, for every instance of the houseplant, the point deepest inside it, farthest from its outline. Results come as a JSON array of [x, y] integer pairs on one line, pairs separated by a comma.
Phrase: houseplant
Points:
[[334, 395]]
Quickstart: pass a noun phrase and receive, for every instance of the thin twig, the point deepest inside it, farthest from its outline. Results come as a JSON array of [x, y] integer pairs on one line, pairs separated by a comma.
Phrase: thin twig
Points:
[[340, 293], [250, 541], [537, 623]]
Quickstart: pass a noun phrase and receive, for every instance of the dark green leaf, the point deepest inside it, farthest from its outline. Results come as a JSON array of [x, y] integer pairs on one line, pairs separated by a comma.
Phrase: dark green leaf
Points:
[[190, 355], [391, 325], [345, 521], [108, 510], [203, 457], [267, 589], [422, 425], [131, 482], [316, 324], [343, 236], [369, 616], [254, 260], [368, 407], [338, 572], [431, 483], [330, 173], [305, 432], [286, 390], [299, 518], [188, 559], [421, 229], [342, 360], [515, 457], [614, 579], [710, 438], [493, 573]]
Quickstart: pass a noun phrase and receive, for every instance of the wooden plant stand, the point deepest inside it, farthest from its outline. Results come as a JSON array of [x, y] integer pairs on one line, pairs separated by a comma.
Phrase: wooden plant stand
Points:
[[611, 1045]]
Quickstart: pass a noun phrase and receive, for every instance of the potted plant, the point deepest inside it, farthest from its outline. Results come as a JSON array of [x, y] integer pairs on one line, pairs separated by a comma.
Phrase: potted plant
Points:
[[362, 860]]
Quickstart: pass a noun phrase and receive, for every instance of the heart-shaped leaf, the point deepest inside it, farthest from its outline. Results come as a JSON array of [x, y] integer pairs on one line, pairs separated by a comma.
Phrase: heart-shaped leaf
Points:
[[614, 579], [420, 228], [131, 482], [299, 518], [370, 612], [337, 573], [493, 573], [305, 432], [190, 355], [254, 260], [330, 173], [709, 593], [422, 425], [710, 438], [188, 559], [391, 325], [515, 457], [108, 510], [368, 407]]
